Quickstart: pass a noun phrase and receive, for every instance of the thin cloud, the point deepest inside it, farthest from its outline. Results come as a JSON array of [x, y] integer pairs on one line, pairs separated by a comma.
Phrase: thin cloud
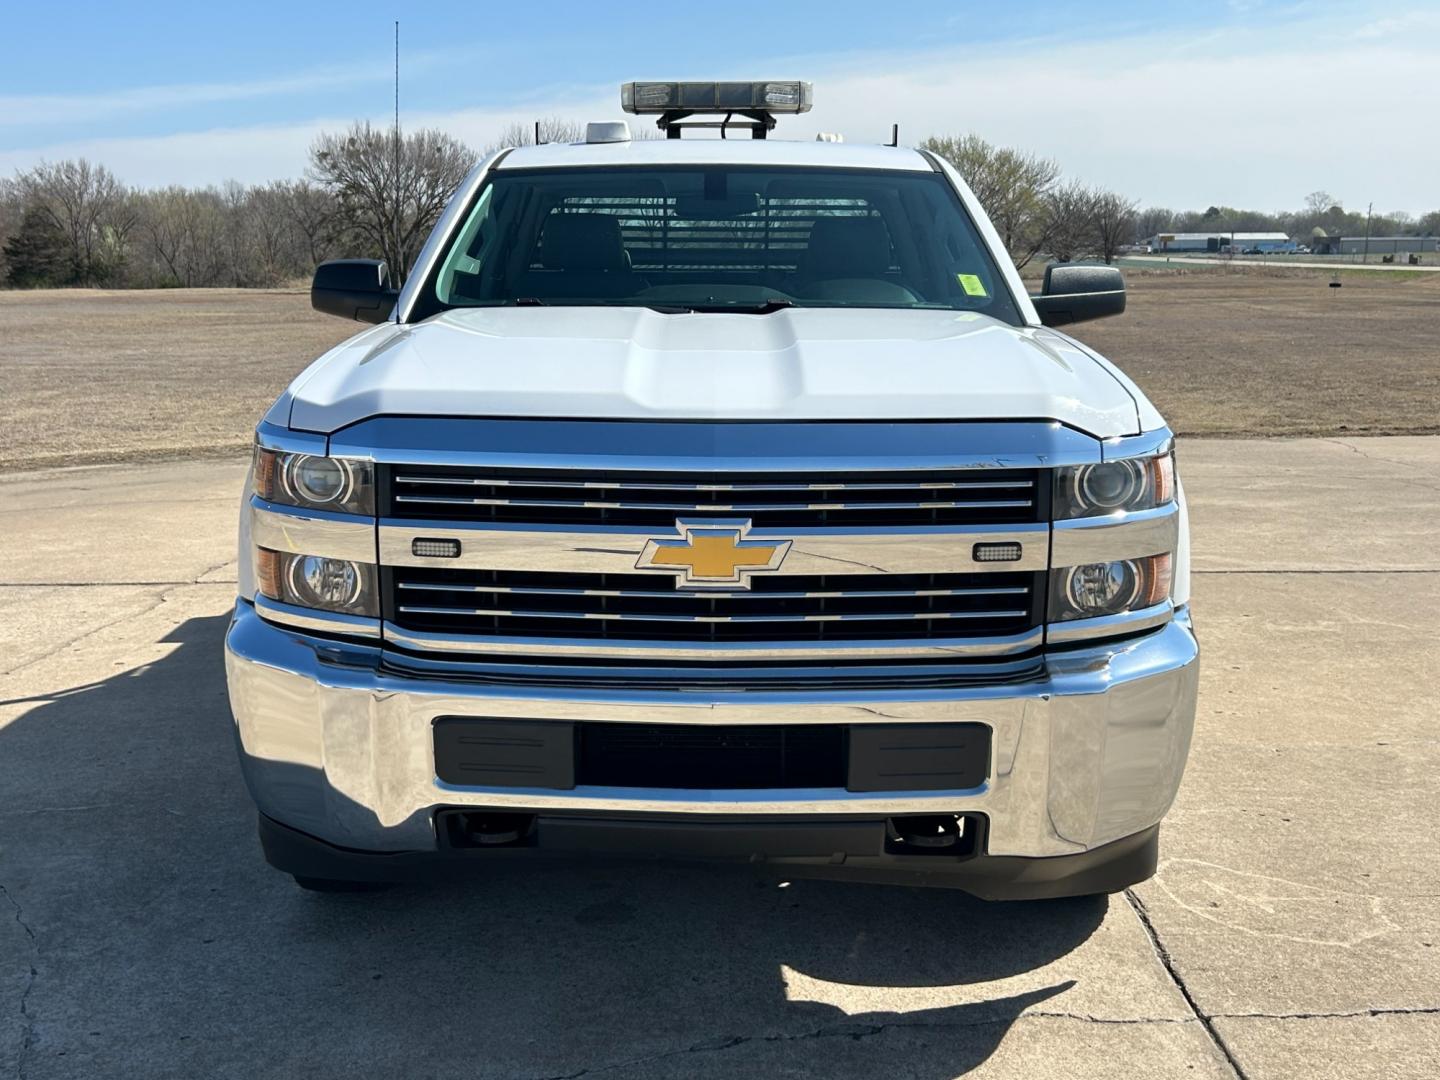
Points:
[[1241, 116]]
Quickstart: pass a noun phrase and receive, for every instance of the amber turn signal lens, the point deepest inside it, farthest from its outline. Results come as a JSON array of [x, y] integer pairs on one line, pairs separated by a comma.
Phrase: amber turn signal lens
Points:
[[1162, 478], [268, 569], [265, 469], [1157, 577]]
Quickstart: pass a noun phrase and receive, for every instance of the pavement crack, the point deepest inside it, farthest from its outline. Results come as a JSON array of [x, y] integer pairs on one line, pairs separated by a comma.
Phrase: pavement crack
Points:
[[27, 1018], [161, 599], [1168, 963], [1347, 1014], [111, 584], [856, 1032], [1396, 570], [1387, 461]]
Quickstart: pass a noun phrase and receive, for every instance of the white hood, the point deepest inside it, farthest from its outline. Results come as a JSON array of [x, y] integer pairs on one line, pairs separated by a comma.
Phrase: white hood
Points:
[[634, 363]]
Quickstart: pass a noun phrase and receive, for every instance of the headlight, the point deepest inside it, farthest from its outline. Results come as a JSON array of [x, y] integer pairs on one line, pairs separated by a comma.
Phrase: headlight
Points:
[[314, 581], [1109, 588], [1109, 487], [315, 482]]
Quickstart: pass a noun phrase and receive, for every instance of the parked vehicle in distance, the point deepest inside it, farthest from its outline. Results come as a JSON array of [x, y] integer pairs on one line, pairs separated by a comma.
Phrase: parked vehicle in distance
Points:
[[723, 499]]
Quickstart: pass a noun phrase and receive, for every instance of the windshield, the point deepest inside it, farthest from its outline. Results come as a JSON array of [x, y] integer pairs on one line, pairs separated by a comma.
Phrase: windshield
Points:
[[717, 238]]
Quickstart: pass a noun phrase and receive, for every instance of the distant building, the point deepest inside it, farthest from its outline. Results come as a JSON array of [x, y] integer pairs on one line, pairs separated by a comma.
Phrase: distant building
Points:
[[1221, 241], [1376, 245]]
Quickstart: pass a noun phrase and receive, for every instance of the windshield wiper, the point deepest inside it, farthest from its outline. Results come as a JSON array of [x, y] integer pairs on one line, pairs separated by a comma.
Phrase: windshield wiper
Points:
[[759, 307]]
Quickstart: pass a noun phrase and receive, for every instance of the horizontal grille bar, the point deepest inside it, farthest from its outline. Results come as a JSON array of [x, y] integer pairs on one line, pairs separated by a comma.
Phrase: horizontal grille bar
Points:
[[709, 507], [516, 613], [620, 485], [801, 608], [654, 499], [671, 593]]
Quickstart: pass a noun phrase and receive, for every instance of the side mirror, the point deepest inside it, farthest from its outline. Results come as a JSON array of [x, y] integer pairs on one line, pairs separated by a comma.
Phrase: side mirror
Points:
[[1074, 292], [354, 289]]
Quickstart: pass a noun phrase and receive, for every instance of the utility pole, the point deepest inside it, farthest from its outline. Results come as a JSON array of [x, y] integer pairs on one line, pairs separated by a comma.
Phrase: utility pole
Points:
[[397, 271], [1365, 258]]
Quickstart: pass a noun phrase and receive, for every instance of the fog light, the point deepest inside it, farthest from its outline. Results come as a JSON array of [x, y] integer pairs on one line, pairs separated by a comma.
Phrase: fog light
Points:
[[1101, 588], [1110, 588], [314, 581], [325, 583]]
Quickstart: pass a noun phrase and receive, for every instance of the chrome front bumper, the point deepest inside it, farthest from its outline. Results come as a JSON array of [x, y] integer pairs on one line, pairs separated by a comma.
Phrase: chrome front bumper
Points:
[[338, 747]]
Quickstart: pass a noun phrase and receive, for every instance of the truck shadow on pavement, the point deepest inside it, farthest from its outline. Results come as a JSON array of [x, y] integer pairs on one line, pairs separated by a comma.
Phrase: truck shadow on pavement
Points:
[[163, 946]]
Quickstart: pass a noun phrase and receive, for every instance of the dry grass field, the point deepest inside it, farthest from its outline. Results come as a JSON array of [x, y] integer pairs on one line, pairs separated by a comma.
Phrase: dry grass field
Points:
[[90, 376]]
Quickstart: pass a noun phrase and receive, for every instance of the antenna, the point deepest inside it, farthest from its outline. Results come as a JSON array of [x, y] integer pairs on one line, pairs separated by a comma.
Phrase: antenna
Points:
[[537, 132], [397, 271], [894, 135]]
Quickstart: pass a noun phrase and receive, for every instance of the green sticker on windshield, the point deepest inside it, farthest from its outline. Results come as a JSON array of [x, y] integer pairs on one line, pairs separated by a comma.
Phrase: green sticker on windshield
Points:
[[972, 285]]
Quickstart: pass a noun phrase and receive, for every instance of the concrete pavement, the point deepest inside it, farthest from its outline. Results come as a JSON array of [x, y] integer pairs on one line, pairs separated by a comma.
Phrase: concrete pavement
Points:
[[1293, 930]]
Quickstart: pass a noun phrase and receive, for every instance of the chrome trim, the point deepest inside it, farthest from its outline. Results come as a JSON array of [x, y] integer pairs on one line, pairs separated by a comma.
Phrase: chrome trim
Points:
[[285, 441], [1130, 535], [887, 675], [424, 641], [670, 594], [335, 745], [326, 622], [722, 800], [616, 549], [660, 485], [705, 446], [312, 532], [1129, 622], [1143, 445], [706, 508], [616, 616]]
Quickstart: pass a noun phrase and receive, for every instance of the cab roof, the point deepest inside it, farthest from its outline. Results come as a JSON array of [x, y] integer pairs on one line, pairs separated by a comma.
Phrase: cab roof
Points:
[[737, 151]]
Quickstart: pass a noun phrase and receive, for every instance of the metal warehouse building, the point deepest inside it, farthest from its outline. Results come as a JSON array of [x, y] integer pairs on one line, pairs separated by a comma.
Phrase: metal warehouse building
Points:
[[1216, 241], [1375, 245]]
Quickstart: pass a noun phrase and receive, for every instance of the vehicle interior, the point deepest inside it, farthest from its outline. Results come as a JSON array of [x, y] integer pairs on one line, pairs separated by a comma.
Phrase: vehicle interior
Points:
[[703, 237]]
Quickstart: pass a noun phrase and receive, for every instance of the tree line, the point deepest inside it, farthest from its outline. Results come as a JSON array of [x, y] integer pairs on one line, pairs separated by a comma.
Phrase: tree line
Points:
[[73, 223]]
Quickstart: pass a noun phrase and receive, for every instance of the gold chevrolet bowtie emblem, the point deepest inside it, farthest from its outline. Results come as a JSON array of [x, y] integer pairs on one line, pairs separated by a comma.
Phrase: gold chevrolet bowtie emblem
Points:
[[712, 555]]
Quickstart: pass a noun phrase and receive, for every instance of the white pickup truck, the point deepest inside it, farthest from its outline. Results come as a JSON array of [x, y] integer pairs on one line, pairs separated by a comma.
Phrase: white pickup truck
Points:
[[715, 498]]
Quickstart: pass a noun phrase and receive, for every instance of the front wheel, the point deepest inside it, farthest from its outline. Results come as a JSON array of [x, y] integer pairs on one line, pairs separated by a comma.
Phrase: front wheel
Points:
[[335, 885]]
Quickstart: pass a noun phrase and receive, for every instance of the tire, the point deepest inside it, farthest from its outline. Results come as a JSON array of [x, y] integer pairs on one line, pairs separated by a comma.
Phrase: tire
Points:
[[336, 885]]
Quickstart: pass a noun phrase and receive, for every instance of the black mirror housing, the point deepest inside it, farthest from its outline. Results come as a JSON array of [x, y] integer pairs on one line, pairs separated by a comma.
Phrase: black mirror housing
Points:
[[1074, 292], [354, 289]]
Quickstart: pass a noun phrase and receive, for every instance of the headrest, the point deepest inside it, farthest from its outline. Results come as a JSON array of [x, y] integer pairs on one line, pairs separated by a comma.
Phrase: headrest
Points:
[[847, 247], [582, 242]]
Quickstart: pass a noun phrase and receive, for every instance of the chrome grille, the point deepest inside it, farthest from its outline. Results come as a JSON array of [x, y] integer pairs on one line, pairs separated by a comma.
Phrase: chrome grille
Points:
[[656, 499], [792, 607]]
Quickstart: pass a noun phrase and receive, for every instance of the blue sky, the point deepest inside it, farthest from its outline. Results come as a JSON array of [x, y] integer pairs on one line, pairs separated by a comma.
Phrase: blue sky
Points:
[[1243, 102]]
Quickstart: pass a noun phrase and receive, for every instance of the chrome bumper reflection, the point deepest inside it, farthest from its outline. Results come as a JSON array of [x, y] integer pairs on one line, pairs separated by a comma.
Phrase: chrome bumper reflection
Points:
[[338, 747]]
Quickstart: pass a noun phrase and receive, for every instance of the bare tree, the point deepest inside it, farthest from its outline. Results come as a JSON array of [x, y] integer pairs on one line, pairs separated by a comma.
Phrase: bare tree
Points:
[[553, 129], [390, 192], [314, 212], [1318, 202], [1070, 220], [1113, 222], [1010, 184], [186, 234], [1152, 221], [89, 207]]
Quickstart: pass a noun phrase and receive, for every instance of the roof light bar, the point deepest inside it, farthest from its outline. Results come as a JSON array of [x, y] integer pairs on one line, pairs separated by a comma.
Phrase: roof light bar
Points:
[[716, 97]]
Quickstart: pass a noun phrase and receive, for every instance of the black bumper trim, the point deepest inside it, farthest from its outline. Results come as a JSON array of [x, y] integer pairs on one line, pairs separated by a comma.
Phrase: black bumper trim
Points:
[[792, 849]]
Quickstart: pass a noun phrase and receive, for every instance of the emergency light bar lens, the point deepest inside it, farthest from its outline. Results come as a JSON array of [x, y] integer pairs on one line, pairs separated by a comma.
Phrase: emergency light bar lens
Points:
[[657, 97]]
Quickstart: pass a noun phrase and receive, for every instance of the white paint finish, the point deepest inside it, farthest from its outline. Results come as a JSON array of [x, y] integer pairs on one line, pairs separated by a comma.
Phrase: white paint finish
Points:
[[741, 151], [635, 363]]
